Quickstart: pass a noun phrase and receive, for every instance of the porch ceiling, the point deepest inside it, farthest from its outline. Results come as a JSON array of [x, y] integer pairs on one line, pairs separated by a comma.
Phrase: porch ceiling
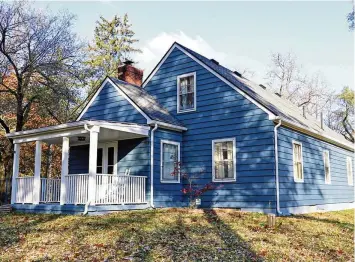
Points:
[[107, 131]]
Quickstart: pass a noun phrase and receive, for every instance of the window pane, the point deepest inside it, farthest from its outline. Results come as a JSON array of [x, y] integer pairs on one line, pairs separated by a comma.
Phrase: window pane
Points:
[[99, 157], [167, 172], [110, 156], [190, 100], [99, 170], [183, 102], [110, 169]]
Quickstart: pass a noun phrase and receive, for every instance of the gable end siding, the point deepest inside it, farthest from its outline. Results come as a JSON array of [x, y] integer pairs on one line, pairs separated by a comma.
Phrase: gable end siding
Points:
[[110, 105], [221, 112]]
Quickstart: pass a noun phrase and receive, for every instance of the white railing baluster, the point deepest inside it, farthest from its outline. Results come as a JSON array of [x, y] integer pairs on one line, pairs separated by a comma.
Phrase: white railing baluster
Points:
[[77, 189], [110, 189], [114, 189], [24, 190], [50, 190]]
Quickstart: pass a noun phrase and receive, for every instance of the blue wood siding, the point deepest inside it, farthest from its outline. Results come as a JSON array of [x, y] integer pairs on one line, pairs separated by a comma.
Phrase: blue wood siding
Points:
[[109, 105], [166, 194], [79, 159], [134, 154], [221, 113], [314, 190]]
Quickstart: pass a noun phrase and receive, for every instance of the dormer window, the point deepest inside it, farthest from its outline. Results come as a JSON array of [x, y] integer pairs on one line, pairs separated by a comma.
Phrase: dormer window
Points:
[[186, 93]]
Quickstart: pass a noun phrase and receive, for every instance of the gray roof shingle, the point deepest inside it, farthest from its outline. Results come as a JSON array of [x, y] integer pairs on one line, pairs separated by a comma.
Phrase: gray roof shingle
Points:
[[277, 105], [147, 103]]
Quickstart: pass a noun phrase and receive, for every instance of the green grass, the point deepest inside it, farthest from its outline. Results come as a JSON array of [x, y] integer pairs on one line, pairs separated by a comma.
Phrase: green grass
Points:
[[177, 235]]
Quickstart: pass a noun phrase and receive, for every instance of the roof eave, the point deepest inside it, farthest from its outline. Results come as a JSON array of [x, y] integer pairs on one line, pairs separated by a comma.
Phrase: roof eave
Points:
[[315, 134]]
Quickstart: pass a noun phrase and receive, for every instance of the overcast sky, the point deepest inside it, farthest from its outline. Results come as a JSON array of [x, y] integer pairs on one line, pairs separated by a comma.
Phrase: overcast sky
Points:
[[240, 35]]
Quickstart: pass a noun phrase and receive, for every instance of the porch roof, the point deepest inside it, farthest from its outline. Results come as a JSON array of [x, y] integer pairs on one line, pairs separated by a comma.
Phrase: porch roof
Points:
[[78, 132]]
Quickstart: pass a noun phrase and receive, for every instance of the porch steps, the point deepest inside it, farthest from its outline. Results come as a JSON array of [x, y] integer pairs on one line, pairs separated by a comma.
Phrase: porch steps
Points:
[[5, 209]]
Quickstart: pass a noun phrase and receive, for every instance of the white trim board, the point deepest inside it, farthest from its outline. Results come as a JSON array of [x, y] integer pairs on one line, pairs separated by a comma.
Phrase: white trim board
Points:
[[225, 180], [297, 180], [178, 109], [162, 142], [175, 45]]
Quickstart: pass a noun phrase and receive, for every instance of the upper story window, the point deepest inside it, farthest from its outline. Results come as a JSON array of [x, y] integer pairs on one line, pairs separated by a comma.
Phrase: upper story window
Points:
[[224, 160], [349, 170], [297, 162], [326, 162], [186, 93], [170, 155]]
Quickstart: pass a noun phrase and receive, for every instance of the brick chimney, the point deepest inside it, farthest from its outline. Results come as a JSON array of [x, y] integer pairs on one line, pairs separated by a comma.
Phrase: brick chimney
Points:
[[127, 72]]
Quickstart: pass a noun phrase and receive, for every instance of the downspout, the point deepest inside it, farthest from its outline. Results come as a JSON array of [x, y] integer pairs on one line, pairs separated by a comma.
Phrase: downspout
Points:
[[152, 165], [278, 211]]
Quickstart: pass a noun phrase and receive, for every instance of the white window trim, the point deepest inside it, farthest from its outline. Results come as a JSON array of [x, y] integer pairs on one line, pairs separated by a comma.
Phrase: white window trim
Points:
[[178, 93], [161, 161], [234, 179], [297, 180], [324, 161], [105, 147], [350, 181]]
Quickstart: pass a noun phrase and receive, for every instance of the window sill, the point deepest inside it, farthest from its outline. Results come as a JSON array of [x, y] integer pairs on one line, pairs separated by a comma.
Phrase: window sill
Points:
[[169, 182], [187, 111], [299, 181], [224, 180]]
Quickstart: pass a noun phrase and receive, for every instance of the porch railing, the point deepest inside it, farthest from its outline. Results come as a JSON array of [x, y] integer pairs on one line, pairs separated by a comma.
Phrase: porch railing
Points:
[[110, 189], [77, 187], [114, 189], [24, 189], [50, 190]]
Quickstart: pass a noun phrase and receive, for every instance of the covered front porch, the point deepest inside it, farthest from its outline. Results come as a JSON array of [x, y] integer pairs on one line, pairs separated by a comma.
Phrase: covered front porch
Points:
[[101, 186]]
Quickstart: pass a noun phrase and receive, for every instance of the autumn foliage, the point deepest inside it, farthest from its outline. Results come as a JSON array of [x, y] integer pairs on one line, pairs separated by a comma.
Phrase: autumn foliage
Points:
[[191, 188]]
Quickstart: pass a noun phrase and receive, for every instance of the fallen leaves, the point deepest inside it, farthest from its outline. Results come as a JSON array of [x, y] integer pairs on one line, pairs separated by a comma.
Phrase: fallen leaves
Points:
[[176, 235]]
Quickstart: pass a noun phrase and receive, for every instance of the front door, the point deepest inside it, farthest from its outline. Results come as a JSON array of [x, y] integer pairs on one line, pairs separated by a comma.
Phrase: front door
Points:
[[107, 158]]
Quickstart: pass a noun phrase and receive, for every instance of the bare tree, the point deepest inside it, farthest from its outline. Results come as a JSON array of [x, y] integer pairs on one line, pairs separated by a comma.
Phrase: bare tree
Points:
[[351, 18], [40, 66], [285, 76], [43, 55]]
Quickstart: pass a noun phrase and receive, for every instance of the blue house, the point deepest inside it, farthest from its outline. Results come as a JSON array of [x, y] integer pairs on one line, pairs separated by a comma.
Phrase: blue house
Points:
[[122, 149]]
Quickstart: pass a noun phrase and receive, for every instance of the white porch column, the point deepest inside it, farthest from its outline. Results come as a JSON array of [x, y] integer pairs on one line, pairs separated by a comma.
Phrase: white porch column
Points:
[[65, 170], [37, 176], [15, 170], [94, 135]]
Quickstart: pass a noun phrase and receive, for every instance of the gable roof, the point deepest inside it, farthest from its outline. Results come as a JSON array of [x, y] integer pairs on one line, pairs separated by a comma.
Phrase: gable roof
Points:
[[276, 107], [146, 104]]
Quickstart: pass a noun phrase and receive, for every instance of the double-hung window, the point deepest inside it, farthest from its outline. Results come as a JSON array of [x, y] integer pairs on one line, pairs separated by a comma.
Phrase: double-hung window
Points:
[[186, 93], [224, 160], [326, 162], [170, 156], [297, 162], [349, 170]]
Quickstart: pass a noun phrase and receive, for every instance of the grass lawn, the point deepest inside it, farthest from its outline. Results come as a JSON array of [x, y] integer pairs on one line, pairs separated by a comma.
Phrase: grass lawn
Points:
[[177, 235]]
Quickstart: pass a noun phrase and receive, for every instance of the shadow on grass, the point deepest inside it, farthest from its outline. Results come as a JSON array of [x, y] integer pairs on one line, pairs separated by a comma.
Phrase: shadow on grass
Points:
[[233, 241], [346, 225], [182, 241]]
